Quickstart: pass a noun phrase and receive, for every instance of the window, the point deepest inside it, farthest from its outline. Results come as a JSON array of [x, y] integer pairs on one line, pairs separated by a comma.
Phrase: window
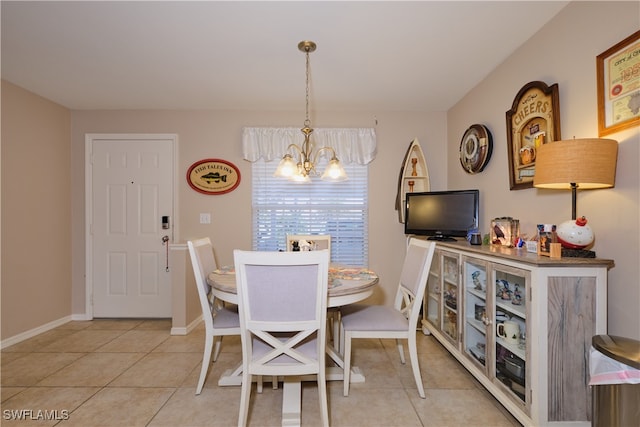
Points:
[[281, 207]]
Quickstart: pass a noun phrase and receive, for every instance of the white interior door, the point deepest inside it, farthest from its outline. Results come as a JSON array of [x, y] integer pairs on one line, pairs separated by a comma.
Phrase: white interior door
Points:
[[131, 191]]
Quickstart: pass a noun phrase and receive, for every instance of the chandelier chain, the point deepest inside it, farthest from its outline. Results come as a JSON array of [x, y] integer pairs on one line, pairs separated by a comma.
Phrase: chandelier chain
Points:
[[307, 122]]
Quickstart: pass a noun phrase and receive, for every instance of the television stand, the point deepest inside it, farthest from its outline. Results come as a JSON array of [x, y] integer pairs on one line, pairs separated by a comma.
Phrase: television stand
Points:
[[442, 238], [559, 297]]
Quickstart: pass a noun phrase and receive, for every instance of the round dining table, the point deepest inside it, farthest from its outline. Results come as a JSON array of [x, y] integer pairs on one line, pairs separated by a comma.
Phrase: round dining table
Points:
[[347, 285]]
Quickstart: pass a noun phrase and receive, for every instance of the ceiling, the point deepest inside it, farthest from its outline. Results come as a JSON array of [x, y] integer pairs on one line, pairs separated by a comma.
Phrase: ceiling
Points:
[[241, 55]]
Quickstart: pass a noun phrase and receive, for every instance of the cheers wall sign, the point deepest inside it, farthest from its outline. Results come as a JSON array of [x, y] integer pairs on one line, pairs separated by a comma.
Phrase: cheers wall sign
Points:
[[533, 120]]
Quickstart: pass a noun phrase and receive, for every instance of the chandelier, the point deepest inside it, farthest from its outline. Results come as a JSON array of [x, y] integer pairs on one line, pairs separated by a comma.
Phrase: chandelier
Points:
[[301, 168]]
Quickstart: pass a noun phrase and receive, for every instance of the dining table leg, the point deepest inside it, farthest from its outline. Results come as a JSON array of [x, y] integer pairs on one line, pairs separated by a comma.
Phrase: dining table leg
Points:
[[231, 377], [292, 385], [336, 373], [291, 401]]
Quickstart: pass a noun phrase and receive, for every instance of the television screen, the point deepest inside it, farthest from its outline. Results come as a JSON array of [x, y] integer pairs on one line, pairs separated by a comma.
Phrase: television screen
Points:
[[442, 215]]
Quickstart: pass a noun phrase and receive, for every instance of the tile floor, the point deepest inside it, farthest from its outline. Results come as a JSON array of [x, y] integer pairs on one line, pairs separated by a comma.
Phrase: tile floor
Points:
[[131, 373]]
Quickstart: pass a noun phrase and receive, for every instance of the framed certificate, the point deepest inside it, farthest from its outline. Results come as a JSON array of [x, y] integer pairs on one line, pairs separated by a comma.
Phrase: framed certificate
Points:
[[618, 78]]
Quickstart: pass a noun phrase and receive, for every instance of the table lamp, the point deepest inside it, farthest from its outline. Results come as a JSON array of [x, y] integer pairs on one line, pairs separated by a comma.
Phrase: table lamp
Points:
[[587, 163]]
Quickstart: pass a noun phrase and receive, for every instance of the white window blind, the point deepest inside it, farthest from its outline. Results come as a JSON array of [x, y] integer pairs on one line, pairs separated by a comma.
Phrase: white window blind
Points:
[[281, 207]]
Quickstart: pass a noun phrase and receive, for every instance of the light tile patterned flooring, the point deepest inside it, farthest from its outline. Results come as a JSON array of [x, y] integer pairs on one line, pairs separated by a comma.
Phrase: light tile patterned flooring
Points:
[[129, 373]]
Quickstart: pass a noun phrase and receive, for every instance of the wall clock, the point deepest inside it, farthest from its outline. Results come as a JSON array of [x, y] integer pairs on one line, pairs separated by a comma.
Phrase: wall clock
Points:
[[475, 148], [213, 176]]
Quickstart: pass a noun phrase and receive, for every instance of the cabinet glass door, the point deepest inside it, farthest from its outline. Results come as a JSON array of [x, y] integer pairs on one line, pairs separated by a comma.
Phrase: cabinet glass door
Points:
[[477, 317], [510, 321], [450, 294], [432, 295]]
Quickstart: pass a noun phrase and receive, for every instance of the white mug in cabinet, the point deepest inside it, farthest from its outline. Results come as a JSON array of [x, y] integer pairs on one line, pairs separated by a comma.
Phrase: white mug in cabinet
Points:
[[510, 331]]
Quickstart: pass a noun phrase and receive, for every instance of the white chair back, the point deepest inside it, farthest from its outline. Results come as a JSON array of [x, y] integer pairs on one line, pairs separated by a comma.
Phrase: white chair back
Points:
[[413, 278], [282, 300], [203, 263]]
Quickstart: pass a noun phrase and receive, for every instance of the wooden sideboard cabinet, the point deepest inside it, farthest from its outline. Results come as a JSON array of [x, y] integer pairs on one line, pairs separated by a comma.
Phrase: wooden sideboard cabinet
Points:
[[522, 324]]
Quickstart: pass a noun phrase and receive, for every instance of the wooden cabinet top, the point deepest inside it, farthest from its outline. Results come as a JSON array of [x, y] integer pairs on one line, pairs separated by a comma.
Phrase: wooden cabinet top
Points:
[[522, 256]]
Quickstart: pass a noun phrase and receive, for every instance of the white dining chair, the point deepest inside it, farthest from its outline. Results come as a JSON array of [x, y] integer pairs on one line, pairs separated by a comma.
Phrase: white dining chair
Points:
[[282, 300], [320, 241], [399, 321], [218, 320]]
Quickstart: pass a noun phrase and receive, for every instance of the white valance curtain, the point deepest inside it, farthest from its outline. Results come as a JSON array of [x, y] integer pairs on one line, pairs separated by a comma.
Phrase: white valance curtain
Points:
[[352, 145]]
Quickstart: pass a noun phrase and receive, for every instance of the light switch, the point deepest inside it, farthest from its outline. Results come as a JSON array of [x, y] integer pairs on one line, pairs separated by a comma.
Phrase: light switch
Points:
[[205, 218]]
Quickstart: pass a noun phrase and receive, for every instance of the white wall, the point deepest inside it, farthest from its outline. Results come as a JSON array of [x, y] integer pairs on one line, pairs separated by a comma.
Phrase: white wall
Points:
[[564, 52], [36, 207], [206, 134]]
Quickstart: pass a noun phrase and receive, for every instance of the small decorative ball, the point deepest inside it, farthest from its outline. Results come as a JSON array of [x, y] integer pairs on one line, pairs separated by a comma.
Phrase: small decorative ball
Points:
[[575, 234]]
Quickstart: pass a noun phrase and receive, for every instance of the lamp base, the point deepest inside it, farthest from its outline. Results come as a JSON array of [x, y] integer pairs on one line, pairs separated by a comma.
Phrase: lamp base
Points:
[[577, 253]]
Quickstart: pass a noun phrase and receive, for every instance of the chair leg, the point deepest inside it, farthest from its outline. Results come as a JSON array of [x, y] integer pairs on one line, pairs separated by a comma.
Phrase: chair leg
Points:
[[401, 351], [206, 359], [413, 354], [245, 396], [322, 393], [347, 362]]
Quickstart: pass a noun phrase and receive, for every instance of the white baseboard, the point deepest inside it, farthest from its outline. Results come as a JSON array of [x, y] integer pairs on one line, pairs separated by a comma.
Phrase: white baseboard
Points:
[[35, 331], [81, 317], [185, 330], [78, 317]]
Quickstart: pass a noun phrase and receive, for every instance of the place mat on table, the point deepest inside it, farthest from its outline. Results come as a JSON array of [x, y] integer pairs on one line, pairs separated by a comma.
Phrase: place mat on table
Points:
[[336, 274], [227, 269]]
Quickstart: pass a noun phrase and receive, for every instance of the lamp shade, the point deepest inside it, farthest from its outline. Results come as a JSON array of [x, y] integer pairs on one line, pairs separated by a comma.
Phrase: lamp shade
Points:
[[586, 163]]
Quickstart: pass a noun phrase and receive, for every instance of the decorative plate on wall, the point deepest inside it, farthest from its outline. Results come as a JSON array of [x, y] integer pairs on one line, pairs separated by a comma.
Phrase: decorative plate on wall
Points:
[[475, 148], [213, 176]]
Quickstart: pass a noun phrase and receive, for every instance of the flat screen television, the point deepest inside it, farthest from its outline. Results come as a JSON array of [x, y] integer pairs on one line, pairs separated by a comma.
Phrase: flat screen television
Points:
[[442, 215]]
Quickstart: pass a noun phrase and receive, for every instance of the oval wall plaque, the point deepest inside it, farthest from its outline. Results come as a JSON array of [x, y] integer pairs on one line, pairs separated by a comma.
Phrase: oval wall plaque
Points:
[[213, 176]]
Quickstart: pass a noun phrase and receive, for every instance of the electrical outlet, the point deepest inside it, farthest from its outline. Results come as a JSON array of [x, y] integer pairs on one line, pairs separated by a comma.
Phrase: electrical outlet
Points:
[[205, 218]]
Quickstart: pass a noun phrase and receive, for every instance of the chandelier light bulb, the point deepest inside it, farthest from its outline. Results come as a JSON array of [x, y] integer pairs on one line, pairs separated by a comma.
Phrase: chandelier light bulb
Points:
[[286, 168], [334, 171]]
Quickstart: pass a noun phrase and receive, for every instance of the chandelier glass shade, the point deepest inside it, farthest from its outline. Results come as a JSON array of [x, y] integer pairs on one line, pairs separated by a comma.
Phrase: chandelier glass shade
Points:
[[299, 162]]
